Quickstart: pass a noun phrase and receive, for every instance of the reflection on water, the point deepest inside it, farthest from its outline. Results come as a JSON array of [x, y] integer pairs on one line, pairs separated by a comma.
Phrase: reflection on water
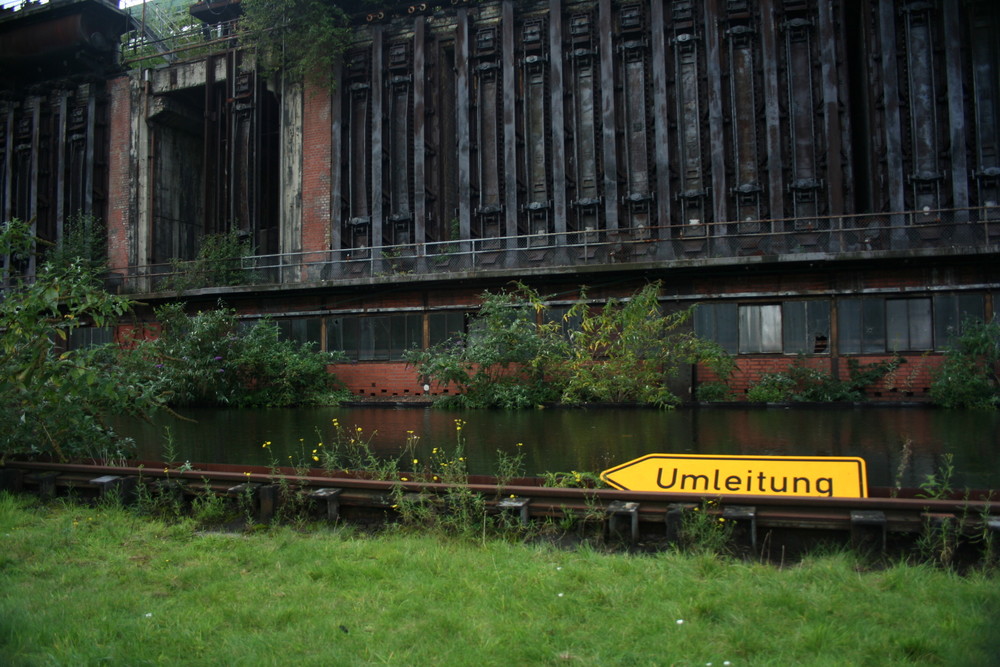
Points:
[[561, 439]]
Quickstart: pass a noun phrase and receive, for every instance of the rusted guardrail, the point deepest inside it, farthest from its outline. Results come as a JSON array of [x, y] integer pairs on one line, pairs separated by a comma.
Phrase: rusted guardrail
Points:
[[761, 522]]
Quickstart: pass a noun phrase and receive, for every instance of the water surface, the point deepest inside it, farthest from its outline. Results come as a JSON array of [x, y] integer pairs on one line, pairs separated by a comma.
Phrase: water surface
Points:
[[596, 439]]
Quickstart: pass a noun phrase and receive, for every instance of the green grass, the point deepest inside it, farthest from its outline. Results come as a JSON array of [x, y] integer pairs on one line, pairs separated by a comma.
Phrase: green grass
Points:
[[84, 586]]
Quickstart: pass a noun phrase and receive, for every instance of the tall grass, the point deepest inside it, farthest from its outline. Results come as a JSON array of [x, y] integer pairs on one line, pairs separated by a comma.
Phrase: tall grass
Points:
[[82, 585]]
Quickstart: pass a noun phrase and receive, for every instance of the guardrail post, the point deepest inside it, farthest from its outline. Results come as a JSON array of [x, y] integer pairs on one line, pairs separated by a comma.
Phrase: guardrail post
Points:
[[619, 509], [518, 506], [675, 521], [745, 519], [46, 482], [868, 530], [11, 480], [332, 499], [112, 484]]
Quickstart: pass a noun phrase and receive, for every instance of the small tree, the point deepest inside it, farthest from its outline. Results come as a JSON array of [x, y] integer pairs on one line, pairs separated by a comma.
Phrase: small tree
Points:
[[626, 351], [209, 359], [507, 357], [54, 400], [968, 378]]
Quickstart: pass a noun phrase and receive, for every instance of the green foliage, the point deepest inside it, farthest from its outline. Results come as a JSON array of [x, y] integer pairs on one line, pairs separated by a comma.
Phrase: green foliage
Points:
[[805, 384], [705, 530], [84, 241], [505, 360], [624, 351], [514, 356], [302, 38], [219, 264], [574, 479], [968, 377], [711, 392], [209, 359], [53, 400]]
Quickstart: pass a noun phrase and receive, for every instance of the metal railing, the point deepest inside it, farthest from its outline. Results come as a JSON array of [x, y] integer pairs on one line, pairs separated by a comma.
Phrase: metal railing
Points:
[[865, 236]]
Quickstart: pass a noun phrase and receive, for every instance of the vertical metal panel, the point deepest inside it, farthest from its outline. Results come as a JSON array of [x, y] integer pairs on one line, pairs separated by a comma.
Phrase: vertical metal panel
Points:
[[925, 176], [536, 129], [740, 41], [687, 43], [6, 159], [397, 226], [377, 125], [984, 33], [608, 139], [488, 85], [62, 171], [509, 122], [890, 108], [556, 93], [956, 105], [583, 89], [661, 145], [419, 133], [713, 59], [772, 111], [357, 137], [633, 53], [805, 182], [833, 130], [462, 129]]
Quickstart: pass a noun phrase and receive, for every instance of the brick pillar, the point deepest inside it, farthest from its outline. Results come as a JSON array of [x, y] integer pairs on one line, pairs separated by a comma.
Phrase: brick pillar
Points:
[[317, 145], [120, 172]]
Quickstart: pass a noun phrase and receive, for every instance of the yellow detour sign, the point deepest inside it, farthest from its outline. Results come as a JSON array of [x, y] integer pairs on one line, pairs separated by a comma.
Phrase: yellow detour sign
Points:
[[825, 476]]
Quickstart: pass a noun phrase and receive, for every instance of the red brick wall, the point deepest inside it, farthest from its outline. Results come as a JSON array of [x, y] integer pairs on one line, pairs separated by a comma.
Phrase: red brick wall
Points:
[[384, 379], [910, 382], [120, 179], [317, 143]]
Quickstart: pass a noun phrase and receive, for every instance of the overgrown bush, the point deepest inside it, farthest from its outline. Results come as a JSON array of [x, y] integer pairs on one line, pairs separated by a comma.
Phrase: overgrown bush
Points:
[[515, 356], [624, 351], [53, 400], [968, 377], [507, 359], [209, 359], [804, 384], [219, 263]]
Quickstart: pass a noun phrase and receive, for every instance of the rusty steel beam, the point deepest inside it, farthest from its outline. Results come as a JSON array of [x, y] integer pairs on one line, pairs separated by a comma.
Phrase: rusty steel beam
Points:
[[897, 515], [556, 96], [608, 124]]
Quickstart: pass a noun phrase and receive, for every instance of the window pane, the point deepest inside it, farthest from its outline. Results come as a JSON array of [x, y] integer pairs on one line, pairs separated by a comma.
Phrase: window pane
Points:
[[849, 326], [366, 338], [818, 326], [794, 334], [945, 319], [381, 337], [919, 314], [760, 329], [897, 325], [334, 334], [872, 325], [718, 322]]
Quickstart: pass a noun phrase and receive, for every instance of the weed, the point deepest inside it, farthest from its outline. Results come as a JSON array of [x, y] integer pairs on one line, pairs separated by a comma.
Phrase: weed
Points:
[[209, 508], [574, 479], [937, 485], [705, 530]]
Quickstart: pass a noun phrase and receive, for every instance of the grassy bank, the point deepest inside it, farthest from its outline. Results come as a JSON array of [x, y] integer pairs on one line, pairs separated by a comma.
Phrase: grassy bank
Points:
[[80, 586]]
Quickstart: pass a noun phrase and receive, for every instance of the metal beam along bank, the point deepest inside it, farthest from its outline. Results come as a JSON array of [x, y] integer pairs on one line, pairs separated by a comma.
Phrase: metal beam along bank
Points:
[[651, 516]]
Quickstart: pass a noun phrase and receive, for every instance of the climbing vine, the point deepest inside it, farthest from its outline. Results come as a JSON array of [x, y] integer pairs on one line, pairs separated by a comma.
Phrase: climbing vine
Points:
[[301, 38]]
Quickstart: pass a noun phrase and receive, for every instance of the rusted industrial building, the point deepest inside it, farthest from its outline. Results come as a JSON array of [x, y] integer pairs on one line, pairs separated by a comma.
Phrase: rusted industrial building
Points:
[[822, 176]]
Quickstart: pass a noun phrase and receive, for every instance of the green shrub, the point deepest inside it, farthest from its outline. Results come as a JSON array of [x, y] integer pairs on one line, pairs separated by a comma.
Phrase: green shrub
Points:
[[54, 400], [968, 377], [209, 359]]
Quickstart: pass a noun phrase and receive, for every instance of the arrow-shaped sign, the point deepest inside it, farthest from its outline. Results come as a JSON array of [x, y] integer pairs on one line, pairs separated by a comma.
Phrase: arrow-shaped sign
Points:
[[703, 474]]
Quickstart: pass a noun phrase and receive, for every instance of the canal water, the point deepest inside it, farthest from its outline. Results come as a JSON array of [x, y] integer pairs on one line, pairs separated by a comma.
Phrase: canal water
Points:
[[596, 439]]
